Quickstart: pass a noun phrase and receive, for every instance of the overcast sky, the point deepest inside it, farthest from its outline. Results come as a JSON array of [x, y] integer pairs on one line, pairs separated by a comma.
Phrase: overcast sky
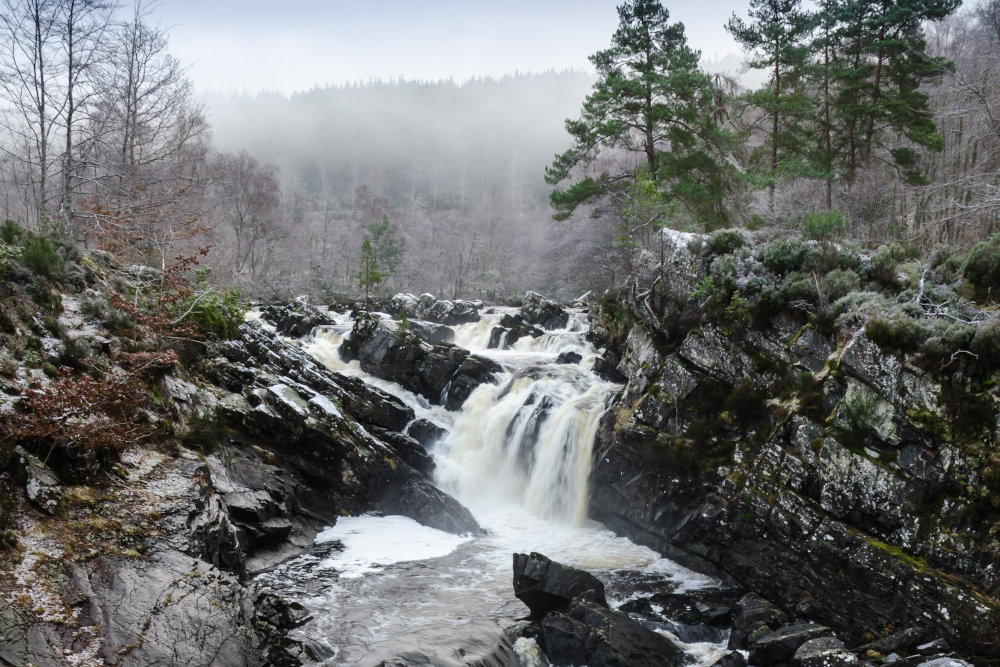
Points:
[[253, 45]]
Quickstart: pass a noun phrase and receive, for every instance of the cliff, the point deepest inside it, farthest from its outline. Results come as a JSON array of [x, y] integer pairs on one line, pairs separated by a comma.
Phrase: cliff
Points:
[[852, 484]]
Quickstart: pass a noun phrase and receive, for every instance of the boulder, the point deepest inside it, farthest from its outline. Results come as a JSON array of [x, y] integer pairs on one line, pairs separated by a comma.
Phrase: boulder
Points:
[[295, 319], [731, 659], [443, 373], [569, 358], [754, 617], [423, 502], [824, 652], [41, 485], [428, 307], [542, 312], [545, 585], [779, 647], [425, 432], [590, 634]]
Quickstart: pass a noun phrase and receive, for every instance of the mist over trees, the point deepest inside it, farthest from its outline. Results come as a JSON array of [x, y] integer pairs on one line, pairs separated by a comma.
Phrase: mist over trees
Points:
[[878, 114]]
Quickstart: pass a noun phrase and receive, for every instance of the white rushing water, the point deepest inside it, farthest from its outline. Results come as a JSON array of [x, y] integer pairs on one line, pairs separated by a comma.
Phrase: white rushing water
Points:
[[517, 455]]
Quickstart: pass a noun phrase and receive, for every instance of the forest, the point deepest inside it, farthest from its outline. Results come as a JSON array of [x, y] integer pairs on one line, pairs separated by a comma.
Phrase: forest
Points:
[[877, 123]]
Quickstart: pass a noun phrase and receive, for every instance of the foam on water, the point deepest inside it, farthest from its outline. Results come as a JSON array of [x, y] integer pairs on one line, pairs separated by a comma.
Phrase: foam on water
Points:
[[372, 541]]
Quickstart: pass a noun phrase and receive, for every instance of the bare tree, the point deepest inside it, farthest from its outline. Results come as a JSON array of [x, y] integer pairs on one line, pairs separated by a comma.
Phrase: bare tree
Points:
[[83, 26], [28, 71]]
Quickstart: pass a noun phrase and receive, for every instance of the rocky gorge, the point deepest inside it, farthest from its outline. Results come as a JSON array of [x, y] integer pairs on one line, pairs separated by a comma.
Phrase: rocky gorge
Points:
[[837, 495]]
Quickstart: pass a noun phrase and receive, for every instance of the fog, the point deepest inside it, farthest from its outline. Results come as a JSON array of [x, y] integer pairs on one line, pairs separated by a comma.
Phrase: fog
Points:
[[457, 168]]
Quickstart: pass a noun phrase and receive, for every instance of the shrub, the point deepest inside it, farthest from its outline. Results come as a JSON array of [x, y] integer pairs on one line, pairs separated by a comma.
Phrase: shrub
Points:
[[724, 242], [839, 283], [986, 343], [825, 226], [221, 317], [946, 264], [982, 267], [8, 252], [40, 256], [801, 287], [11, 233], [884, 266], [745, 402], [785, 256], [896, 332]]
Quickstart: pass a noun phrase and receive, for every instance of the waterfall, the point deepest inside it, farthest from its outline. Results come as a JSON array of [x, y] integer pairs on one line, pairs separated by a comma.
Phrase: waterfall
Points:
[[518, 455]]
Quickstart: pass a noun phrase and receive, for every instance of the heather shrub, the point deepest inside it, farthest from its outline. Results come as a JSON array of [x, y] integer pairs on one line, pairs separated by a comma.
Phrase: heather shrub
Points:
[[724, 242], [40, 256], [785, 256], [982, 266]]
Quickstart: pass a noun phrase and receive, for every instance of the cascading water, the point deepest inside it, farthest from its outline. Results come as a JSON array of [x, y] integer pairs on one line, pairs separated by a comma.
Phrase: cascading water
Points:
[[517, 455]]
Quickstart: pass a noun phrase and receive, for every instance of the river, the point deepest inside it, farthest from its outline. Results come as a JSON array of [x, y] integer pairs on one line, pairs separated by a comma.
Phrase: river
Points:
[[384, 590]]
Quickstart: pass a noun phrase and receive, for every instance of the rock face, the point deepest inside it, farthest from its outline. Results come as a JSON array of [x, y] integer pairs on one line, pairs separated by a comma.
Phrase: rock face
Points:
[[827, 475], [322, 428], [442, 373]]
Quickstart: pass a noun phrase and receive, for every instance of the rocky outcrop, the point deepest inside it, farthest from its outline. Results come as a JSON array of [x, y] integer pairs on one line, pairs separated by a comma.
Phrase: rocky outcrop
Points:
[[323, 428], [430, 308], [443, 373], [828, 475], [573, 625], [539, 311], [294, 320], [545, 585]]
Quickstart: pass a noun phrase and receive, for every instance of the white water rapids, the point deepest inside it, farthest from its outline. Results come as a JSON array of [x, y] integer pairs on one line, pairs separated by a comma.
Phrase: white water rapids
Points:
[[517, 455]]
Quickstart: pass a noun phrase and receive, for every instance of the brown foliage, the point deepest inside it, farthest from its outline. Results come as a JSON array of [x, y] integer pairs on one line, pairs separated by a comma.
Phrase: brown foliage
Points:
[[104, 414]]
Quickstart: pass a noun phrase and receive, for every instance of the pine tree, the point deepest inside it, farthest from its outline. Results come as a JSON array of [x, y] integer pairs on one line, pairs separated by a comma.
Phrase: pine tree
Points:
[[877, 76], [371, 274], [653, 104], [776, 38]]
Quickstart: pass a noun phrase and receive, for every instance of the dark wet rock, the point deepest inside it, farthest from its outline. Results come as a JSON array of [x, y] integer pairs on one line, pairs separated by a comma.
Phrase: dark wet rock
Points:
[[428, 307], [824, 652], [314, 425], [711, 607], [898, 642], [590, 634], [425, 432], [408, 449], [569, 358], [504, 337], [423, 502], [273, 619], [640, 606], [443, 373], [779, 647], [754, 617], [545, 585], [542, 312], [607, 369], [431, 332], [295, 319], [731, 659]]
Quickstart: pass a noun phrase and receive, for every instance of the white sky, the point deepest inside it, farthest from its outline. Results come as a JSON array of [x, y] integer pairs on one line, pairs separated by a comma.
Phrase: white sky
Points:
[[253, 45]]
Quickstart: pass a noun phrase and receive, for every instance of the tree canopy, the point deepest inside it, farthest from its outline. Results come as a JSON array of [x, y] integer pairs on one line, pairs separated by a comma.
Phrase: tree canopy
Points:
[[650, 112]]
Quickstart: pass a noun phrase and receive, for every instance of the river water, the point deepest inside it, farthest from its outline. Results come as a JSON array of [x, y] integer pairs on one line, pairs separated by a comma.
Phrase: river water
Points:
[[384, 590]]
